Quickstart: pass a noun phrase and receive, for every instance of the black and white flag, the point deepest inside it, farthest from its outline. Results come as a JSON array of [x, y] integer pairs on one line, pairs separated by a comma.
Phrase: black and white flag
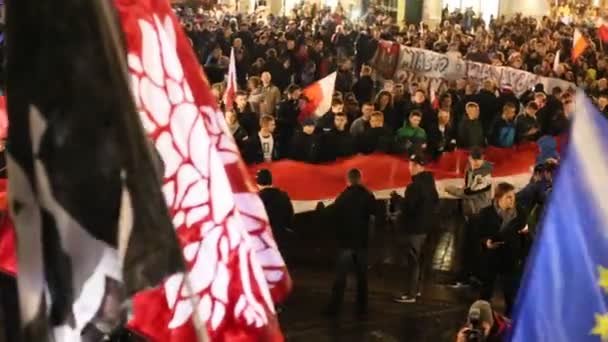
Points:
[[92, 225]]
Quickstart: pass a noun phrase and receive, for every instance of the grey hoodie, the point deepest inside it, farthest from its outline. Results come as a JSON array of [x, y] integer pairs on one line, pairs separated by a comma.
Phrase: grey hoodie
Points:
[[478, 188]]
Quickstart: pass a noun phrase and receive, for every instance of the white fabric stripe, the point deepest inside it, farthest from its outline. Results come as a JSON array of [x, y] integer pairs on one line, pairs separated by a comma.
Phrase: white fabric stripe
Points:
[[587, 147], [519, 181], [327, 85]]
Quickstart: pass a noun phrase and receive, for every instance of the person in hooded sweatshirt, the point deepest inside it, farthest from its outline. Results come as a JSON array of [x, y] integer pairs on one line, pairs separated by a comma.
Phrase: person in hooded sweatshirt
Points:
[[475, 195], [277, 204], [305, 143], [547, 146], [417, 215]]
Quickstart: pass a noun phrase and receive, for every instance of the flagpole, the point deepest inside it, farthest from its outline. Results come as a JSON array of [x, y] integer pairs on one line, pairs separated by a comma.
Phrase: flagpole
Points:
[[112, 46]]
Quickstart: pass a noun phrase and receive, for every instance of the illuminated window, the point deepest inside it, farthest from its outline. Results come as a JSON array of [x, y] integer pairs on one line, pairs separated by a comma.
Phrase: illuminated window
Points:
[[487, 8], [390, 7]]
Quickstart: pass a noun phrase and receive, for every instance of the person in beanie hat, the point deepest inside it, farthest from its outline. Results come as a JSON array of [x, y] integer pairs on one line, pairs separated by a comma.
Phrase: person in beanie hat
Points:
[[417, 212], [493, 325]]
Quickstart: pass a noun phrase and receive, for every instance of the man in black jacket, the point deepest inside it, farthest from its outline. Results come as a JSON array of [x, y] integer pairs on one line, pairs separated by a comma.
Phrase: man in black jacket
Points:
[[377, 138], [287, 117], [418, 211], [263, 147], [248, 119], [337, 143], [352, 212], [326, 122], [240, 135], [277, 204], [305, 143]]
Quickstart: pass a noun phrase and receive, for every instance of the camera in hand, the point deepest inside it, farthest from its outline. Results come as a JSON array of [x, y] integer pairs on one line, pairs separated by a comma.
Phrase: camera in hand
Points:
[[475, 333]]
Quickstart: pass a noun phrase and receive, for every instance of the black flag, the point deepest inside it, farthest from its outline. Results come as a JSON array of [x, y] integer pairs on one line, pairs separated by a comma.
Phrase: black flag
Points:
[[83, 180]]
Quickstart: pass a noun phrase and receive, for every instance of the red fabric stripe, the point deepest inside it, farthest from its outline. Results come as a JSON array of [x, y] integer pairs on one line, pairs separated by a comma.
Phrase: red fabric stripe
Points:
[[305, 182]]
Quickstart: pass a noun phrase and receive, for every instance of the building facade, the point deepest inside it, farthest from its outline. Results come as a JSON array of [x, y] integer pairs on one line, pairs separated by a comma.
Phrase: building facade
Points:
[[413, 11]]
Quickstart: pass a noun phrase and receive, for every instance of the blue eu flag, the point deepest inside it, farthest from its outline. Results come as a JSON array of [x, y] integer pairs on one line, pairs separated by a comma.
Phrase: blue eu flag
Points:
[[564, 294]]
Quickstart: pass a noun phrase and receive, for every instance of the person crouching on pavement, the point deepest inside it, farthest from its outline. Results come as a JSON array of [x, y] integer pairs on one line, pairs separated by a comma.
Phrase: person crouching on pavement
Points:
[[485, 323], [352, 214], [418, 213]]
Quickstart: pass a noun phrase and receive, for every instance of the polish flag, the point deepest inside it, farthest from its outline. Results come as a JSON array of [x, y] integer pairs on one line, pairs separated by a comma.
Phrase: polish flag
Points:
[[602, 29], [318, 97], [580, 44], [231, 86]]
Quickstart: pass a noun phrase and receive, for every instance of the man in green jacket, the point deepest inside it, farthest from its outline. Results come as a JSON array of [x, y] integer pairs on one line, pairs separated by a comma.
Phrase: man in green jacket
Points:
[[411, 136]]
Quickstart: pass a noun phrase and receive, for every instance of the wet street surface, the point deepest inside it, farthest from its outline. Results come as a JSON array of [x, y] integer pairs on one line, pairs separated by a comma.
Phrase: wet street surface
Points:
[[436, 316]]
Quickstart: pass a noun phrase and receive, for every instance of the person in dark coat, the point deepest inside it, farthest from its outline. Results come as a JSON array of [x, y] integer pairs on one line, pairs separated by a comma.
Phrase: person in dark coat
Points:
[[526, 125], [488, 105], [305, 143], [263, 147], [277, 204], [418, 211], [470, 129], [352, 214], [441, 136], [326, 122], [287, 117], [503, 230], [337, 143], [248, 119], [240, 135], [377, 138], [364, 87], [507, 95]]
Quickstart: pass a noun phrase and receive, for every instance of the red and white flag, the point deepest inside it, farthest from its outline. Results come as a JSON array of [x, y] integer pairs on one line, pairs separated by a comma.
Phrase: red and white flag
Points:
[[602, 29], [318, 97], [231, 86], [556, 61], [234, 267], [579, 44]]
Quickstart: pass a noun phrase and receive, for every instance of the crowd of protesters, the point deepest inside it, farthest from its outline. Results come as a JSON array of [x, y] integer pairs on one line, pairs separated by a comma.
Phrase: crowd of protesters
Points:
[[277, 56]]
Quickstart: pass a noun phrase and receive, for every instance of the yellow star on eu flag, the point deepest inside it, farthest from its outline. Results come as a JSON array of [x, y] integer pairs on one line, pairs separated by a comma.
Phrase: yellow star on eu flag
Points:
[[603, 278], [601, 326]]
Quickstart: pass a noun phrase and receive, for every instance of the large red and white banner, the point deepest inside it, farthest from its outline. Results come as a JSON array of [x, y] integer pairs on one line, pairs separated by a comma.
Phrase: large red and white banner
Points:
[[308, 184]]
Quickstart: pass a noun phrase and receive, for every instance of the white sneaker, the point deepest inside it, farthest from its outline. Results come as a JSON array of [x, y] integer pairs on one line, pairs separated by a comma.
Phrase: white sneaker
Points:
[[405, 299]]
